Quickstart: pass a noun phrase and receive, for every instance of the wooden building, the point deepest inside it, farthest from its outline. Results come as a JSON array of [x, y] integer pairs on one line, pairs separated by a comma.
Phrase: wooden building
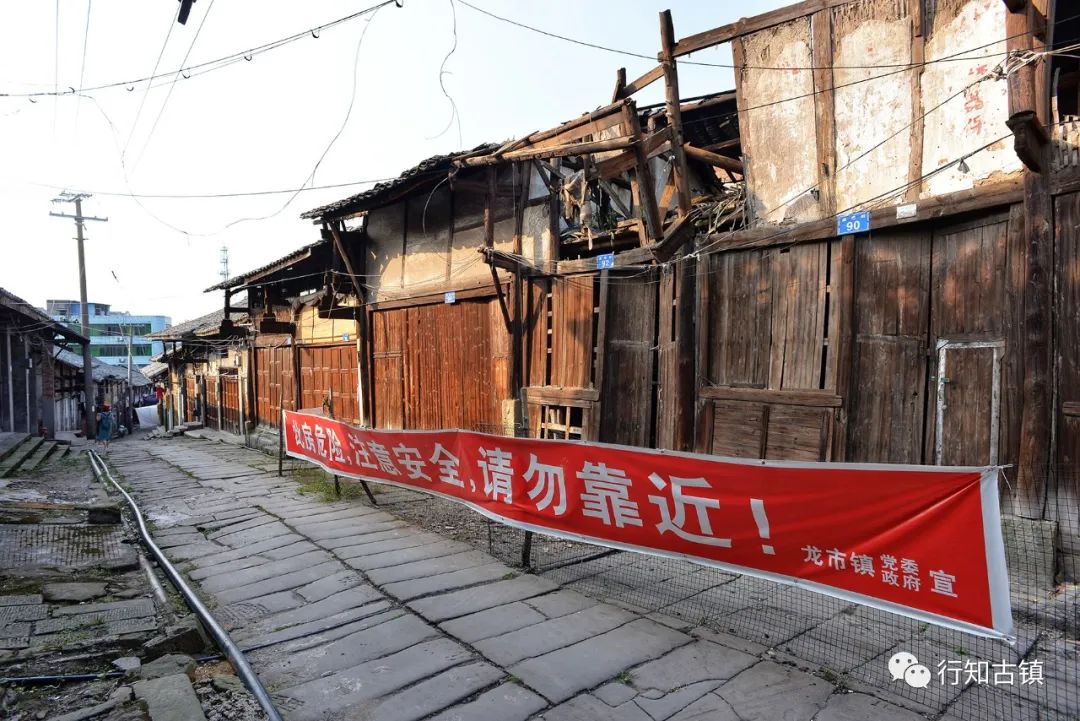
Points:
[[677, 276], [35, 393]]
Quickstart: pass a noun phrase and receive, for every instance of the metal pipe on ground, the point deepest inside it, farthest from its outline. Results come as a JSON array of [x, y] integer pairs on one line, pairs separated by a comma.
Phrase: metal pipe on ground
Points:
[[216, 631]]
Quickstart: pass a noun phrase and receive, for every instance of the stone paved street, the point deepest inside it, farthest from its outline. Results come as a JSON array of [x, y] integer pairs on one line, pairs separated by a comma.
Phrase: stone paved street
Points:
[[349, 612]]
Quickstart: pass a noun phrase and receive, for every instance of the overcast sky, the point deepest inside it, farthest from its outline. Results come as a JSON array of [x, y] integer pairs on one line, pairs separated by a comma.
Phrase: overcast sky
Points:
[[263, 124]]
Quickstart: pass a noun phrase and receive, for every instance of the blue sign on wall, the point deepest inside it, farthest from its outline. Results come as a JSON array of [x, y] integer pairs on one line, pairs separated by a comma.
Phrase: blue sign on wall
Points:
[[607, 260], [449, 297], [850, 223]]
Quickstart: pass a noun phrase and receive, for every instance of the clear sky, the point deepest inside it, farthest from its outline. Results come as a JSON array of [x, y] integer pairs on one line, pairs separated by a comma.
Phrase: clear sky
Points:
[[263, 124]]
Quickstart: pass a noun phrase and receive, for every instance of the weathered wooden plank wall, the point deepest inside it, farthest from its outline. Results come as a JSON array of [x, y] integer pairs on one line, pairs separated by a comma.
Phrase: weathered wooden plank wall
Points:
[[275, 384], [441, 366], [627, 388], [330, 371]]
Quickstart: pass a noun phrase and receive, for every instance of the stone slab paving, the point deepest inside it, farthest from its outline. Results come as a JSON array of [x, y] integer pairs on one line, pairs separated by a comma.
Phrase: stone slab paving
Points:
[[349, 612]]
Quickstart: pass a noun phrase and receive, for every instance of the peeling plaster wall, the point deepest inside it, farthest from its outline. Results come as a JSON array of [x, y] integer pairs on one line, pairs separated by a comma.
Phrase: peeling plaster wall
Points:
[[977, 115], [876, 107], [311, 329], [779, 140]]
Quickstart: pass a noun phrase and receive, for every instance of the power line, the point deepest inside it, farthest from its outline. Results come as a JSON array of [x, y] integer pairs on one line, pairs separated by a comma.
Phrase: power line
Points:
[[146, 91], [209, 65], [238, 194], [172, 85], [82, 66], [333, 140], [653, 58]]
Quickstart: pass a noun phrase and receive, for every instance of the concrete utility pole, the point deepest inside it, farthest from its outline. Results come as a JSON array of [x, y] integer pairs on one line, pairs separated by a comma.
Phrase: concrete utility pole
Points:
[[84, 311], [130, 393]]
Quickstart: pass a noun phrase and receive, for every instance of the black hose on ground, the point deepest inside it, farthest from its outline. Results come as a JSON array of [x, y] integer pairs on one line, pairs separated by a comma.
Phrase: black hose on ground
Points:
[[216, 631]]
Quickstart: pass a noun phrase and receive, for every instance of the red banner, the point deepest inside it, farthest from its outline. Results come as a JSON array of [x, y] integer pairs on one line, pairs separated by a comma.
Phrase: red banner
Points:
[[922, 541]]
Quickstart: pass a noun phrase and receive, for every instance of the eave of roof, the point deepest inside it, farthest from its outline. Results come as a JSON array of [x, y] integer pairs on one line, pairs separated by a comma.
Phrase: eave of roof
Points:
[[17, 305], [272, 267], [426, 171]]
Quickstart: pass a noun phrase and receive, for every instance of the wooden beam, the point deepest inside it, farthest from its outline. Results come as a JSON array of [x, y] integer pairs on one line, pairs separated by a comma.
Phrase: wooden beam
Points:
[[643, 82], [646, 199], [674, 110], [653, 145], [949, 204], [675, 237], [815, 399], [348, 263], [744, 26], [825, 145], [628, 258], [714, 159], [918, 55], [559, 151], [620, 85], [560, 395]]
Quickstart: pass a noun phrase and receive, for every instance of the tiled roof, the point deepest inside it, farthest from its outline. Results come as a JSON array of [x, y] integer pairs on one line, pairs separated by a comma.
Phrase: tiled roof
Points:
[[434, 168], [283, 262], [190, 328], [37, 317], [102, 371]]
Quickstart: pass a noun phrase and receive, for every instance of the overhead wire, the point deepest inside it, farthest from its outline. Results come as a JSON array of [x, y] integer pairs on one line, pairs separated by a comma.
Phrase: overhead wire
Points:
[[172, 85], [333, 140], [146, 90], [82, 65], [214, 64], [653, 58], [442, 84]]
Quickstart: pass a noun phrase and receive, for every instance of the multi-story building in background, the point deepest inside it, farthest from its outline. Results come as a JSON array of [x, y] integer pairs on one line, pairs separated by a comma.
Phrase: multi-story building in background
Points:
[[109, 331]]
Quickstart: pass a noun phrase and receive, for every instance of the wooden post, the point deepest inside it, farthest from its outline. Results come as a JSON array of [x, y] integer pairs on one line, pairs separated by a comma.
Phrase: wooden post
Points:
[[620, 85], [1027, 121], [489, 207], [674, 113], [643, 186], [918, 55], [821, 24], [685, 302]]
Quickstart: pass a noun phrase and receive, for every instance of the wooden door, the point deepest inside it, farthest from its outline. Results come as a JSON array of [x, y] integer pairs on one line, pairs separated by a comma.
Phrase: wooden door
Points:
[[329, 373], [974, 397], [968, 417], [388, 367], [887, 399], [440, 365], [212, 417], [230, 403], [275, 385]]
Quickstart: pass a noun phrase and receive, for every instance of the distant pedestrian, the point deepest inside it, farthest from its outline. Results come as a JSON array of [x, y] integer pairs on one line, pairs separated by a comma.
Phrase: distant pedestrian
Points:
[[159, 393], [105, 426]]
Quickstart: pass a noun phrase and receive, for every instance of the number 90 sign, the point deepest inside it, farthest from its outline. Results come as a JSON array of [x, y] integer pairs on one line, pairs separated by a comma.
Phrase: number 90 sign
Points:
[[850, 223]]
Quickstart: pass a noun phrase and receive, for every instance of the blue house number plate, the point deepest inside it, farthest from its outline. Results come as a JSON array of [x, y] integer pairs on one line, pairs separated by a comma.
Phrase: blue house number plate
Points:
[[449, 297], [850, 223], [607, 260]]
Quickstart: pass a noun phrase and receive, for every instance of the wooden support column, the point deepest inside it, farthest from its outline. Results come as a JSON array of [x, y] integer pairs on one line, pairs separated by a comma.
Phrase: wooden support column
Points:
[[643, 187], [489, 207], [620, 85], [554, 208], [918, 55], [685, 307], [821, 29], [1032, 143], [523, 175], [674, 113]]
